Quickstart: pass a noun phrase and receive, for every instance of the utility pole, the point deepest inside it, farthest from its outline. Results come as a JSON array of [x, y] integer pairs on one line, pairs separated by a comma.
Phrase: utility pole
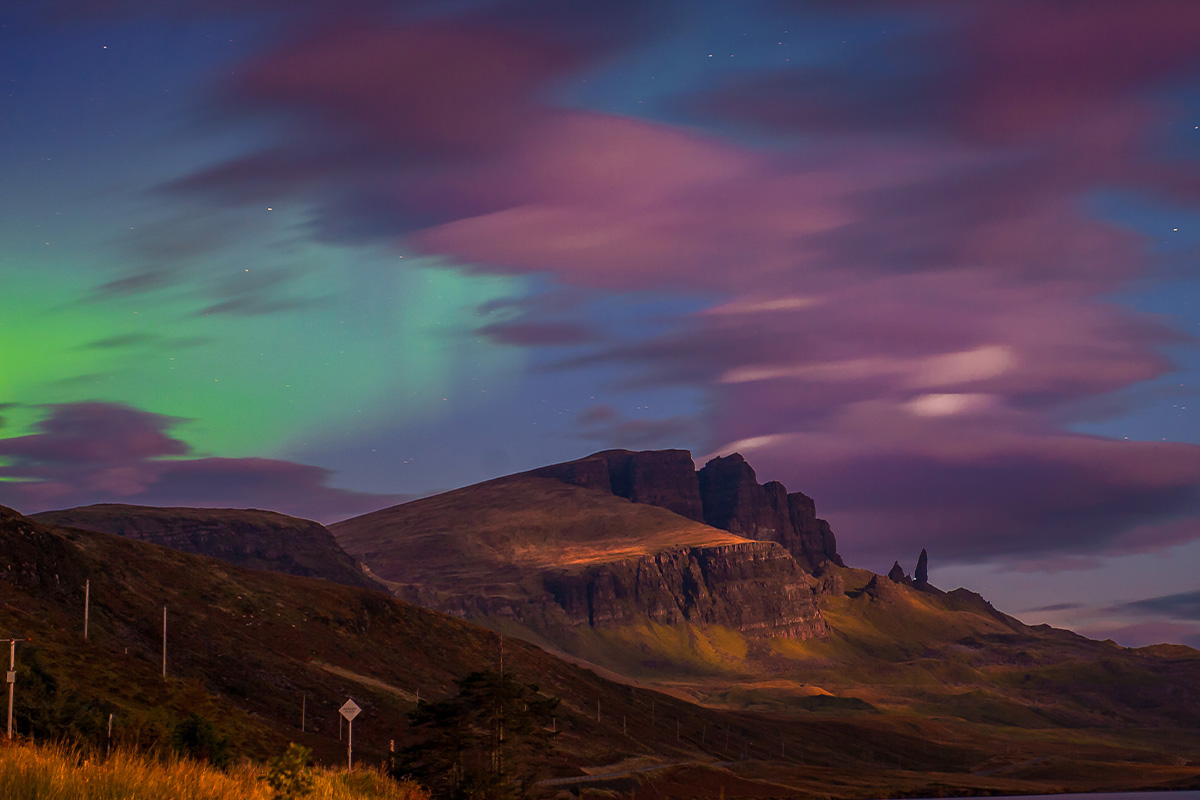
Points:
[[303, 708], [87, 596], [12, 676]]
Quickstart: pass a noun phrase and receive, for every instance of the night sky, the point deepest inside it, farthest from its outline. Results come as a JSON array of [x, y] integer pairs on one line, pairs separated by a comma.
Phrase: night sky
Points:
[[932, 262]]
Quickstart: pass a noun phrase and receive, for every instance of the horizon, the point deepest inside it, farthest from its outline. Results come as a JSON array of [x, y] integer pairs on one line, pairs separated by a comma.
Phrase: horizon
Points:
[[931, 264]]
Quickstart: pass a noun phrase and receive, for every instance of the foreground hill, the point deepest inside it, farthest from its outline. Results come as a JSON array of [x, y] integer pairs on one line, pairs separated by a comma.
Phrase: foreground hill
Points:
[[249, 650], [244, 537]]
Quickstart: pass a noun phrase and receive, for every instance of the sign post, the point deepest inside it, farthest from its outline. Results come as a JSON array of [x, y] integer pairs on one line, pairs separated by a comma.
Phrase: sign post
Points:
[[349, 711], [12, 676]]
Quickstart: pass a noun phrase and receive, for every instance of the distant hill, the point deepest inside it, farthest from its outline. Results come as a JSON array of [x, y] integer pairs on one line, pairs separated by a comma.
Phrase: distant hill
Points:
[[244, 537], [555, 557]]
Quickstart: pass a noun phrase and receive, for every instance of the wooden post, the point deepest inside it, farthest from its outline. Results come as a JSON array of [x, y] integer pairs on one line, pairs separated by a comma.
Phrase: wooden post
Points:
[[303, 709], [12, 680], [164, 654], [87, 597]]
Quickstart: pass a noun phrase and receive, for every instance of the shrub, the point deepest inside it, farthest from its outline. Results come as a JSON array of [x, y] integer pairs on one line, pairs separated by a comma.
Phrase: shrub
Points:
[[288, 775], [195, 736]]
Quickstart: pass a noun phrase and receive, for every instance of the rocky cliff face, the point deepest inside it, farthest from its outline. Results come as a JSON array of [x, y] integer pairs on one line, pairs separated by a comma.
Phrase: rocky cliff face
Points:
[[724, 494], [663, 478], [734, 501], [246, 538], [756, 588]]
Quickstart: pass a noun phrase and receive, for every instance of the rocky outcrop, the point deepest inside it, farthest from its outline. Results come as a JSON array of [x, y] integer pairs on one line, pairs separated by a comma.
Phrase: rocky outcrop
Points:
[[832, 584], [897, 575], [921, 576], [734, 501], [725, 494], [663, 478], [246, 538]]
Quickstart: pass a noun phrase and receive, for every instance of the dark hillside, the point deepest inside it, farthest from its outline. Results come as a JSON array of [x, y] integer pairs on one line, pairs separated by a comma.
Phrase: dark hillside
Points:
[[244, 537]]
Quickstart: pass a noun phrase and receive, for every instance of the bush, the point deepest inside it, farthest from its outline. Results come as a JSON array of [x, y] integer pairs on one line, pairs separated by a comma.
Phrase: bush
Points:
[[288, 775], [195, 736]]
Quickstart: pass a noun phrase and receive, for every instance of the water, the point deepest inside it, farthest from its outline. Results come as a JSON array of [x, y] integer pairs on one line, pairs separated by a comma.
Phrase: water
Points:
[[1187, 795]]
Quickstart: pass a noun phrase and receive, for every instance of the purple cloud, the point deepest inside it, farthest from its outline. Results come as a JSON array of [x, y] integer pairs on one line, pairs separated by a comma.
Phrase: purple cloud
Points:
[[913, 301], [84, 453]]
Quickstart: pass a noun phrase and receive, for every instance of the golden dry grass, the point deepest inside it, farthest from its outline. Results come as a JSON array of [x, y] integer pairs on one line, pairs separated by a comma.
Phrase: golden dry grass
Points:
[[54, 772]]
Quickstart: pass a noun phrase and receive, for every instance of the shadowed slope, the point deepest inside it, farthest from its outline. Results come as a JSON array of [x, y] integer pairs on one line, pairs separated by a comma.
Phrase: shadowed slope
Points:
[[245, 537]]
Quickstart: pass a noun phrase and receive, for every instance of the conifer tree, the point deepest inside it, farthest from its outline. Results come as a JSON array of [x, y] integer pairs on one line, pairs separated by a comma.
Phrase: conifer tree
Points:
[[487, 742]]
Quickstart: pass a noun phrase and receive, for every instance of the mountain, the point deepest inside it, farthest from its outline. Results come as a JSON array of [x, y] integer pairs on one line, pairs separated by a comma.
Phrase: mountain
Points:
[[248, 650], [555, 557], [243, 537], [910, 692], [724, 494]]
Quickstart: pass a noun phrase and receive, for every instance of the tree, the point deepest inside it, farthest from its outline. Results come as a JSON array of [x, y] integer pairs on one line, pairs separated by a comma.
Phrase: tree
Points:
[[195, 736], [487, 742]]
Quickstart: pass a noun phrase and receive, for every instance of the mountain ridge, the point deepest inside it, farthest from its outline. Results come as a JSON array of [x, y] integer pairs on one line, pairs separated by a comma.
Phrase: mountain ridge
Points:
[[723, 494], [251, 538]]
